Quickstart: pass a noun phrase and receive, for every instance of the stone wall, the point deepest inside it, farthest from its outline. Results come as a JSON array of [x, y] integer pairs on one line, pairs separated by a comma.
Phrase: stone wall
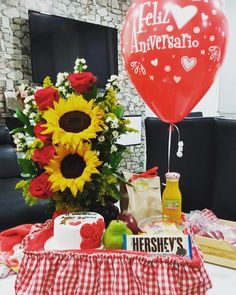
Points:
[[15, 63]]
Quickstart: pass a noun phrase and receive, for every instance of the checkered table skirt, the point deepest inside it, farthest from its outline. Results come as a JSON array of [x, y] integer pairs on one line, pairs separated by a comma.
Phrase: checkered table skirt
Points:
[[107, 272]]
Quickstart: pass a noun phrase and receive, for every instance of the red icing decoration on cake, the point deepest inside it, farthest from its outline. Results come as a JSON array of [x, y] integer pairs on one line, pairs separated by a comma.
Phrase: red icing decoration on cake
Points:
[[101, 224], [92, 234], [86, 230], [87, 244], [75, 223]]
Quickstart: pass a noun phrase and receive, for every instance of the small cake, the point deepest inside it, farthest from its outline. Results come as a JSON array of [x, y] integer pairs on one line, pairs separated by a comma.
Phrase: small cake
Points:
[[76, 231]]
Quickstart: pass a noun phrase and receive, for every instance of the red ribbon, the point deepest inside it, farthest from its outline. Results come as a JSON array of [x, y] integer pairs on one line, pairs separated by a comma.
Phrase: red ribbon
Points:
[[147, 174]]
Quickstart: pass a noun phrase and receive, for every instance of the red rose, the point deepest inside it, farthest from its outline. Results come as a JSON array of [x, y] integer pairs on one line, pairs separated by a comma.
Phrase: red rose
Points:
[[40, 187], [45, 98], [38, 129], [81, 82], [44, 155]]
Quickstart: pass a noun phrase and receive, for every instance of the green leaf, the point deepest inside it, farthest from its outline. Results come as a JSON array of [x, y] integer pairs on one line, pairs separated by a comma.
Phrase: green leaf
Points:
[[121, 178], [117, 157], [28, 167], [91, 94], [94, 91], [114, 192], [100, 99], [106, 170], [18, 130], [115, 160], [22, 117], [119, 112], [30, 130]]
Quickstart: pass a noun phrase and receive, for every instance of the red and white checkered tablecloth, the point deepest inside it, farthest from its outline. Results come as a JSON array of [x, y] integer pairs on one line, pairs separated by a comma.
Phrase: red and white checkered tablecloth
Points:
[[107, 272]]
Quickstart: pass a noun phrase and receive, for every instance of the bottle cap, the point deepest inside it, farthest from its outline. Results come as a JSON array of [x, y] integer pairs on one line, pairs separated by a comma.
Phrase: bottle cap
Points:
[[172, 175]]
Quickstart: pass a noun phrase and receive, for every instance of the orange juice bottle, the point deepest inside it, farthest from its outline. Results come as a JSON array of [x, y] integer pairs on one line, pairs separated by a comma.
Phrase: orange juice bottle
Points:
[[171, 197]]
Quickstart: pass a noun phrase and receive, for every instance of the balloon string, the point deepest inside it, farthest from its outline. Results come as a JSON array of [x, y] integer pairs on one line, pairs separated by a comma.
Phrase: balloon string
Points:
[[177, 131], [180, 144], [169, 146]]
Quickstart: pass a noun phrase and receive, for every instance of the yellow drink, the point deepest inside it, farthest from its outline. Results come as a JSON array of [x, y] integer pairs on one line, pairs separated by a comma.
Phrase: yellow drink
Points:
[[171, 197]]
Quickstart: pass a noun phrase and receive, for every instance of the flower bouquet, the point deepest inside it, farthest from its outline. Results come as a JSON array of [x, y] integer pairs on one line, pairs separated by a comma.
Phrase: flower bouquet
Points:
[[69, 143]]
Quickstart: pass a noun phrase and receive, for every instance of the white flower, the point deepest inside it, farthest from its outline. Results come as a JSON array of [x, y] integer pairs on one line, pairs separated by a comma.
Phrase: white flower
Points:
[[28, 99], [108, 119], [85, 67], [17, 141], [31, 115], [80, 61], [114, 81], [29, 139], [113, 148], [32, 122], [108, 85], [20, 135], [98, 153], [27, 107], [115, 134], [19, 148], [101, 138], [113, 78], [115, 123], [107, 165], [61, 77], [76, 72], [62, 89]]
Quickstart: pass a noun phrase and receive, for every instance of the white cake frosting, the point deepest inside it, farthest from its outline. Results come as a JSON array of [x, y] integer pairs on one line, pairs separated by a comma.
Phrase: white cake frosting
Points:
[[76, 231]]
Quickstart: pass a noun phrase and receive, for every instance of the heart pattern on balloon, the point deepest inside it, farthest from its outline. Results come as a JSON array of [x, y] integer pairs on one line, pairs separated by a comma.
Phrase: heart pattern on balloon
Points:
[[154, 62], [188, 63], [177, 79], [204, 17], [182, 15]]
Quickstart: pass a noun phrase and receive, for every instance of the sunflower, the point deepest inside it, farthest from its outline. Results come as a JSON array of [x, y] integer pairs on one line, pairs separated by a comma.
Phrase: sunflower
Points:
[[73, 120], [72, 167]]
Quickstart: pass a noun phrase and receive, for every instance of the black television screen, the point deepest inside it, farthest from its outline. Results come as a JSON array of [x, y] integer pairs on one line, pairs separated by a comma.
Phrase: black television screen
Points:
[[56, 42]]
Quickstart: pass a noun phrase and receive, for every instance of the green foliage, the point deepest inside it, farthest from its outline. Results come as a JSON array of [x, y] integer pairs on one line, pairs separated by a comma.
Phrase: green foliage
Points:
[[114, 192], [119, 111], [47, 82], [25, 120], [28, 167], [24, 186]]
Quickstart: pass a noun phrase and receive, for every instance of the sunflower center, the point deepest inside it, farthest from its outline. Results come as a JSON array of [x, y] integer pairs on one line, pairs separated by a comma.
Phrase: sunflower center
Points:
[[74, 121], [72, 166]]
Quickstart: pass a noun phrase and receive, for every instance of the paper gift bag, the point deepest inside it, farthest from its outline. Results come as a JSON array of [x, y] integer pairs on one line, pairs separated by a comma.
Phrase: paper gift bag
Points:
[[142, 198]]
